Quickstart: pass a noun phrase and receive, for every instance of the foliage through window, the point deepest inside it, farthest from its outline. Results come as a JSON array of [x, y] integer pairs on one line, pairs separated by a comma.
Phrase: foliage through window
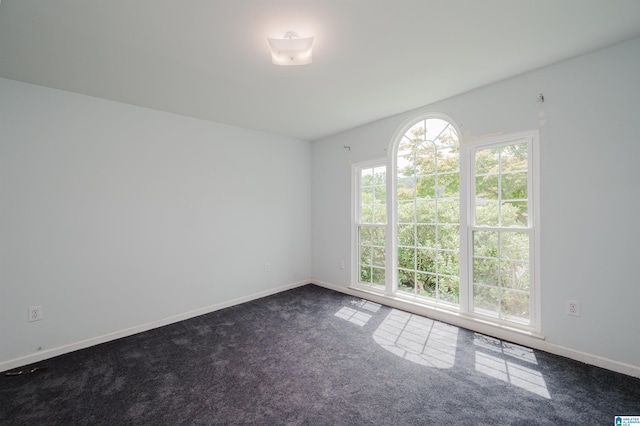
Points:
[[501, 232], [372, 220], [462, 225], [428, 211]]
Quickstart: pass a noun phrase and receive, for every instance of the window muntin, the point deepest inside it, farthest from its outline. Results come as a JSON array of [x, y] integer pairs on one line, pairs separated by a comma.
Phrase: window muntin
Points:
[[428, 211]]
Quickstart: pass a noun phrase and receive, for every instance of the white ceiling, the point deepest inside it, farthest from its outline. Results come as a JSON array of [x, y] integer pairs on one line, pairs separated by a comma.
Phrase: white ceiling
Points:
[[372, 58]]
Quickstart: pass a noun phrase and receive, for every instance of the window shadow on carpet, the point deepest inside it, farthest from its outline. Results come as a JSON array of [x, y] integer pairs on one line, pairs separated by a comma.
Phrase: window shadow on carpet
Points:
[[434, 344]]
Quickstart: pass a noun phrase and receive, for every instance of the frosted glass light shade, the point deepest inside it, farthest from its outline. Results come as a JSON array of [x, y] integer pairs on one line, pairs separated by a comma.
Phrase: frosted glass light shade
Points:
[[291, 50]]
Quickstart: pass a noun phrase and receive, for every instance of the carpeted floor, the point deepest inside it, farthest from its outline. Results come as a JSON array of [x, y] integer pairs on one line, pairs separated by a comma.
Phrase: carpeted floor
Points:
[[311, 356]]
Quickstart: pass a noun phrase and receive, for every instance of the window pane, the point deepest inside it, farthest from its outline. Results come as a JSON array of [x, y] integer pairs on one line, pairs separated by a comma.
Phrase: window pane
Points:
[[365, 235], [425, 163], [424, 148], [426, 284], [485, 243], [380, 176], [487, 213], [487, 161], [514, 245], [514, 275], [406, 280], [406, 235], [406, 211], [514, 186], [448, 263], [515, 304], [378, 236], [378, 256], [377, 276], [365, 255], [425, 260], [366, 177], [449, 237], [448, 185], [379, 213], [487, 187], [380, 195], [449, 211], [425, 211], [365, 274], [426, 187], [486, 298], [447, 137], [405, 148], [417, 131], [514, 157], [426, 236], [449, 288], [515, 213], [406, 166], [406, 187], [366, 213], [448, 160], [406, 257], [485, 271]]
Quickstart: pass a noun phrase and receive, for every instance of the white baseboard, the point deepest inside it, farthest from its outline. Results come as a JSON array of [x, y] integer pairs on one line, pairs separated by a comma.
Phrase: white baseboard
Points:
[[505, 334], [525, 339], [60, 350]]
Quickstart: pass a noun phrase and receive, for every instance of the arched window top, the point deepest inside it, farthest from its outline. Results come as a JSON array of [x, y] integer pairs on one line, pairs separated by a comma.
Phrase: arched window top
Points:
[[428, 130]]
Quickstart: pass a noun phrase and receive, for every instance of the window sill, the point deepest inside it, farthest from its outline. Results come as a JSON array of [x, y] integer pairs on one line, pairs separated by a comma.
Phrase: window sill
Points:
[[442, 313]]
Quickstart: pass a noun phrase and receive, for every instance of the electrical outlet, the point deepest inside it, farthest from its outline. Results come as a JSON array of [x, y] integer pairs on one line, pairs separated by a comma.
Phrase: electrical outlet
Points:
[[35, 313], [267, 267], [573, 308], [341, 264]]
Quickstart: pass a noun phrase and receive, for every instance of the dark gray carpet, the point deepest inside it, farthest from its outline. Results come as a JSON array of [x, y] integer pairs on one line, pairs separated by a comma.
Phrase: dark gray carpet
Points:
[[311, 356]]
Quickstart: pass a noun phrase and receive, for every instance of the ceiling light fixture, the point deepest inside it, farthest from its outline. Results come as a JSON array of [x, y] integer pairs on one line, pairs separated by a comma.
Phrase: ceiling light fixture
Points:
[[290, 50]]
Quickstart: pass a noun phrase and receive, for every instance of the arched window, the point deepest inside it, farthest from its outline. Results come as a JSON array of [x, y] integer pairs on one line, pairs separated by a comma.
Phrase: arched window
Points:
[[427, 189]]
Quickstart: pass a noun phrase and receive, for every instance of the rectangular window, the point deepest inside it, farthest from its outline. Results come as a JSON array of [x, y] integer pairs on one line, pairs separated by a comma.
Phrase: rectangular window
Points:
[[502, 231], [371, 221]]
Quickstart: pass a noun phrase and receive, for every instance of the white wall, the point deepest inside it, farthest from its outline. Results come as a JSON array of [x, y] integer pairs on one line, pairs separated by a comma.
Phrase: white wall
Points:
[[590, 198], [114, 217]]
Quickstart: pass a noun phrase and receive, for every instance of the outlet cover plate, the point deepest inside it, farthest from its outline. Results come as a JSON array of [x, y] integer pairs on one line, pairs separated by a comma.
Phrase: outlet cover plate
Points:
[[573, 308], [35, 313]]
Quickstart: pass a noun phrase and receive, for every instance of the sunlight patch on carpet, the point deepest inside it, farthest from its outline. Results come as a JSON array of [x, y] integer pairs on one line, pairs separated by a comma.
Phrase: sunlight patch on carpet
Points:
[[418, 339], [509, 363]]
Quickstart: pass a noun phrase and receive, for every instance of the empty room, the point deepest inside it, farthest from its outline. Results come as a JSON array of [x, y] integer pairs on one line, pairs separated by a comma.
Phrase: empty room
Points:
[[344, 212]]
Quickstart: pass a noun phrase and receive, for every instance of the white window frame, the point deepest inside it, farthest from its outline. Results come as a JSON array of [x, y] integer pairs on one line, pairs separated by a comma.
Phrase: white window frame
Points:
[[356, 169], [533, 188], [467, 188]]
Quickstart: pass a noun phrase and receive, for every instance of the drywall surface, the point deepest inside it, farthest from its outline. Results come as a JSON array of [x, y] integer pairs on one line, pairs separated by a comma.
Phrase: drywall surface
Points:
[[589, 153], [113, 216]]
